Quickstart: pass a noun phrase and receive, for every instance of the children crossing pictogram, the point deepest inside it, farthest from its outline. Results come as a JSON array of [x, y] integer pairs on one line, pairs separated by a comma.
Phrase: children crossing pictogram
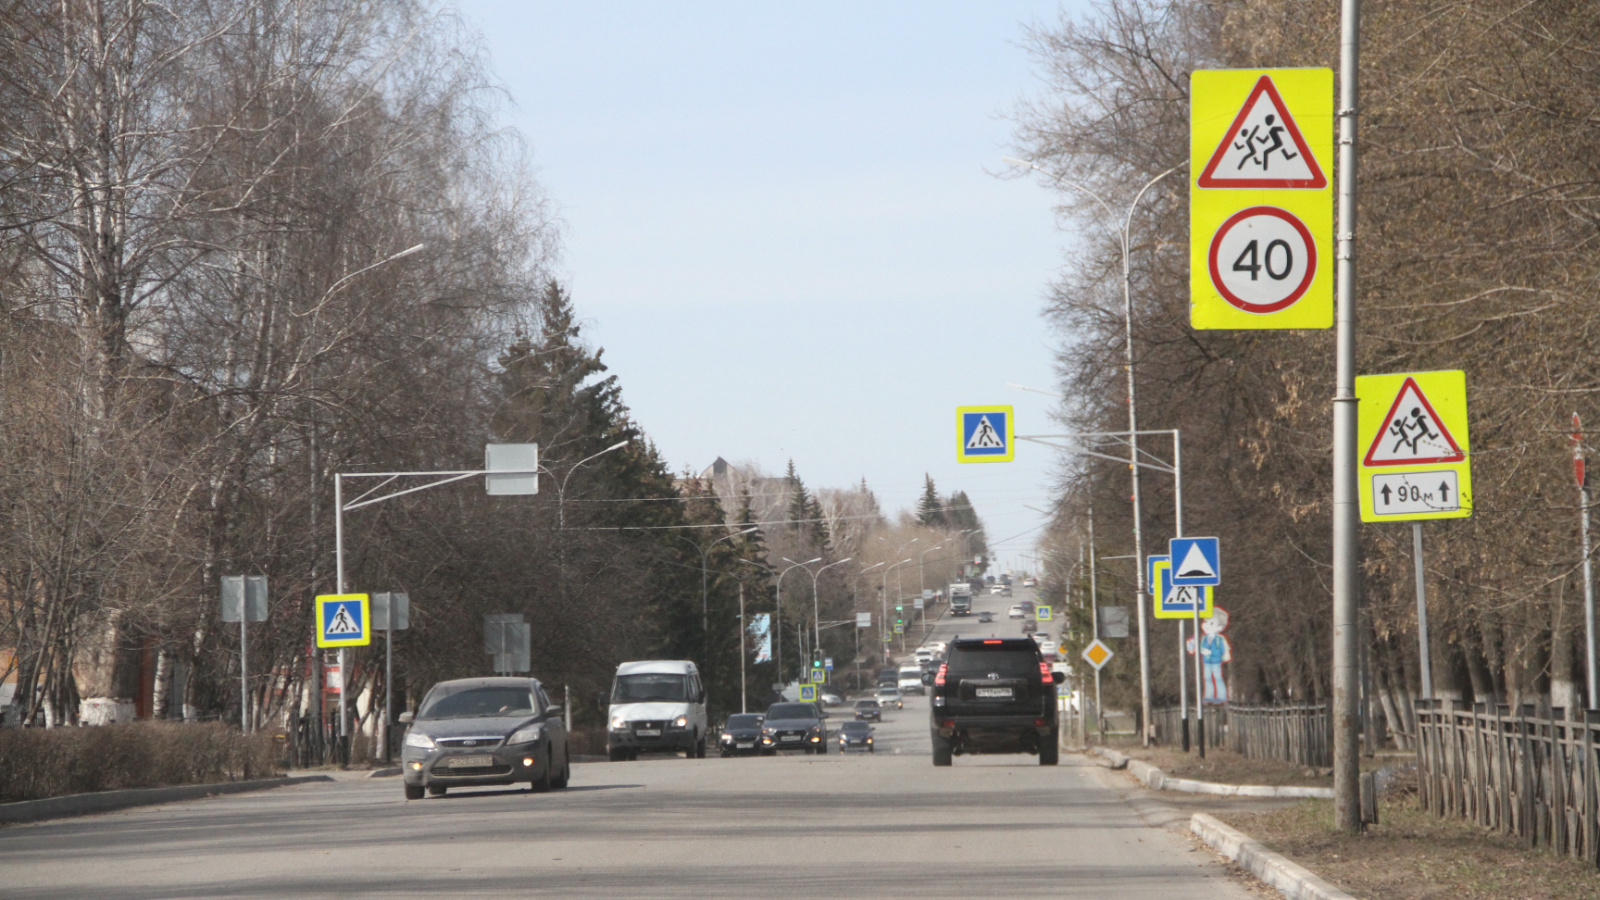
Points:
[[1263, 148], [1412, 433]]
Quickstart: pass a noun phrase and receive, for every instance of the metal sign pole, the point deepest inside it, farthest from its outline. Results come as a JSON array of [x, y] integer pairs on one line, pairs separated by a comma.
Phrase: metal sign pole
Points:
[[1592, 700], [1423, 652], [388, 672], [1094, 611], [1346, 508], [244, 660], [743, 702], [338, 569]]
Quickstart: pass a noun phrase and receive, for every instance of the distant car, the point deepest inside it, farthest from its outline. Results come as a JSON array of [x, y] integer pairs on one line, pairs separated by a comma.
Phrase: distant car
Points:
[[924, 655], [869, 710], [740, 734], [1039, 637], [1015, 612], [484, 731], [831, 699], [891, 696], [1027, 607], [855, 736], [985, 616], [1029, 626], [1048, 650], [1029, 582], [910, 680], [794, 726], [996, 590], [889, 676]]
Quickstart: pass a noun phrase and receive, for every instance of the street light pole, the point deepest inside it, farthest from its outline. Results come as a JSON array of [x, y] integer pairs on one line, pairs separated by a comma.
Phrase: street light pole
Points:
[[705, 605], [883, 597], [777, 618], [816, 606], [1133, 423]]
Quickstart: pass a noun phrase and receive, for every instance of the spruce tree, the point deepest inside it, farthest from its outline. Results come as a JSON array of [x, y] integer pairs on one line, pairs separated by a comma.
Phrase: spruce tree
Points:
[[930, 509]]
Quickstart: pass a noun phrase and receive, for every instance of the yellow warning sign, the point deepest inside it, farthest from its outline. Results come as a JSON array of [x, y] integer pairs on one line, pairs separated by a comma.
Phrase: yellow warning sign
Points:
[[1260, 198], [1415, 456]]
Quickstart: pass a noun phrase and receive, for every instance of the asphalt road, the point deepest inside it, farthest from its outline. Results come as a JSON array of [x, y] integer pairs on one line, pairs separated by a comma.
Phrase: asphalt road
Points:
[[884, 825]]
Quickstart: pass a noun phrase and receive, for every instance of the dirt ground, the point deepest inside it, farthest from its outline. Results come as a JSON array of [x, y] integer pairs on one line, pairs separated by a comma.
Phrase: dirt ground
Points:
[[1411, 855]]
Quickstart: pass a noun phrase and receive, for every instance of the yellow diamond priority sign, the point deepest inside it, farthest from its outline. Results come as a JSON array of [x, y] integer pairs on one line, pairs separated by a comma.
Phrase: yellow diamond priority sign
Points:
[[1097, 654]]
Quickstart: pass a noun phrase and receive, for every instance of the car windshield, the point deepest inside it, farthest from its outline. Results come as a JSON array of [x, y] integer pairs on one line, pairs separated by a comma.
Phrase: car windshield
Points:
[[748, 720], [866, 704], [502, 700], [791, 711], [651, 688], [1006, 661], [855, 726]]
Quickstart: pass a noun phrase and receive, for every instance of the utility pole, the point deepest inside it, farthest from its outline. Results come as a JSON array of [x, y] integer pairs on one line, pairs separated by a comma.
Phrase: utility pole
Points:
[[1346, 510]]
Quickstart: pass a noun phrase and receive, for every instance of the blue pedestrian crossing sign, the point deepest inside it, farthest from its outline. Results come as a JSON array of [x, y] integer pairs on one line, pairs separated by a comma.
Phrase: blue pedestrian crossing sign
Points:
[[343, 620], [987, 434], [1195, 560], [1041, 613], [808, 693], [1177, 601]]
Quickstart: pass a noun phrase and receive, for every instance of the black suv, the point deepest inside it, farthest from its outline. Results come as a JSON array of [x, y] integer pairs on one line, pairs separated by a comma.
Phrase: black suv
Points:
[[994, 695]]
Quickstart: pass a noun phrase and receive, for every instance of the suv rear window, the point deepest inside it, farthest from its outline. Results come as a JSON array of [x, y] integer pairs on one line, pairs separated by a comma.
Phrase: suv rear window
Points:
[[1008, 658]]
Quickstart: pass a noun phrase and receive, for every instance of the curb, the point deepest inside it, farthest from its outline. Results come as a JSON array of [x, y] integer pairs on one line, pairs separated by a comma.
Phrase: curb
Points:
[[1157, 780], [110, 801], [1293, 881]]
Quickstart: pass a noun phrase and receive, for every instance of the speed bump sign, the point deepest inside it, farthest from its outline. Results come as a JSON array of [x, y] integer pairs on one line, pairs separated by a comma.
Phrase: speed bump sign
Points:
[[1260, 198]]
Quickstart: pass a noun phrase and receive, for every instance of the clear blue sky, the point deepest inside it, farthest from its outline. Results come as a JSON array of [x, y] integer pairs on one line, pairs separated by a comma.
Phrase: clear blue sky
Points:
[[781, 224]]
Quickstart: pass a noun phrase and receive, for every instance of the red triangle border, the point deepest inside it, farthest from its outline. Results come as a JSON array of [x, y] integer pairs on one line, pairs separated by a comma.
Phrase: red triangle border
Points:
[[1444, 431], [1208, 177]]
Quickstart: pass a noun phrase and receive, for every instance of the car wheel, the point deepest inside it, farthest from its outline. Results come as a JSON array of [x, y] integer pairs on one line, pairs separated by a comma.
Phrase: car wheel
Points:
[[941, 752], [700, 748], [435, 791], [413, 792], [1050, 753], [822, 748], [566, 775], [541, 784]]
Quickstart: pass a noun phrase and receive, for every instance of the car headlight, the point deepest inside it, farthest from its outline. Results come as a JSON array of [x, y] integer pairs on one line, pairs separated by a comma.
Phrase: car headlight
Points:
[[618, 723], [769, 731], [527, 734], [420, 741], [726, 736], [681, 722]]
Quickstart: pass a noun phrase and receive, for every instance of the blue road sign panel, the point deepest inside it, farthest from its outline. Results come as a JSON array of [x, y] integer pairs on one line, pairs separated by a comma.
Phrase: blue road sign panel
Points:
[[1152, 573], [1196, 560], [986, 434], [343, 620]]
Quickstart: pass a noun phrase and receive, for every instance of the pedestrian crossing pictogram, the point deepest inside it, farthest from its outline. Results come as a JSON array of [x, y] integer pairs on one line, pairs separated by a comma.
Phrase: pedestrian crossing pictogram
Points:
[[985, 433], [343, 620]]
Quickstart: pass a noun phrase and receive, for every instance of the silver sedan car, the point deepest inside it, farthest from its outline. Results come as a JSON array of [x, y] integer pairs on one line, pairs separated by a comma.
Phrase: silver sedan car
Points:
[[484, 731]]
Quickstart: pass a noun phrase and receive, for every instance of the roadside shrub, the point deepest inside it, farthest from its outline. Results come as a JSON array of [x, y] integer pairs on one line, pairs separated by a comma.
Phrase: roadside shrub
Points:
[[50, 762]]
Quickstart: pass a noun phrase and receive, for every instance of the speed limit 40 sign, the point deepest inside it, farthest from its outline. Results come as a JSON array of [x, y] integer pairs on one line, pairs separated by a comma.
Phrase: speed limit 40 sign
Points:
[[1260, 199]]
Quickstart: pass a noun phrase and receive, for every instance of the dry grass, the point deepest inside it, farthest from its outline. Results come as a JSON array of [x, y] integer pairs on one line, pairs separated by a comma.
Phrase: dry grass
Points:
[[1415, 856], [1226, 767], [50, 762]]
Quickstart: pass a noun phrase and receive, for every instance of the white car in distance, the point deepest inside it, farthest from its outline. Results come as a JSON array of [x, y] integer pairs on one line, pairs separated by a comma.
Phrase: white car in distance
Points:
[[1015, 612]]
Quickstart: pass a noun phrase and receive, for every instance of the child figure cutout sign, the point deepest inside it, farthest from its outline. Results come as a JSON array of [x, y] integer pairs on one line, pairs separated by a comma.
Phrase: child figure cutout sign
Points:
[[1214, 651]]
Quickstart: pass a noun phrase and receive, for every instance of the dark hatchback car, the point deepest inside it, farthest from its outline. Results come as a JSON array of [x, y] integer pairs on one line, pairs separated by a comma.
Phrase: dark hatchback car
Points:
[[855, 736], [740, 734], [994, 695], [794, 726], [869, 710], [484, 731]]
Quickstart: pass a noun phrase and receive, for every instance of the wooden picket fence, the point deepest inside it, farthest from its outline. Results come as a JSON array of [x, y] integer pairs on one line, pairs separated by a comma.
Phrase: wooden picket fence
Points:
[[1512, 771], [1299, 733]]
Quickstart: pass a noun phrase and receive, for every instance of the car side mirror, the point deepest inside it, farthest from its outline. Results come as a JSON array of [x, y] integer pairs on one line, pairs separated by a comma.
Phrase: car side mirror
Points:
[[553, 711], [406, 718]]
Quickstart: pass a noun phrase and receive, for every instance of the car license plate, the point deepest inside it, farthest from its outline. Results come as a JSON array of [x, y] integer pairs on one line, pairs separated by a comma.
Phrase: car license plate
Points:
[[648, 732], [745, 745], [469, 762], [994, 693], [790, 737]]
